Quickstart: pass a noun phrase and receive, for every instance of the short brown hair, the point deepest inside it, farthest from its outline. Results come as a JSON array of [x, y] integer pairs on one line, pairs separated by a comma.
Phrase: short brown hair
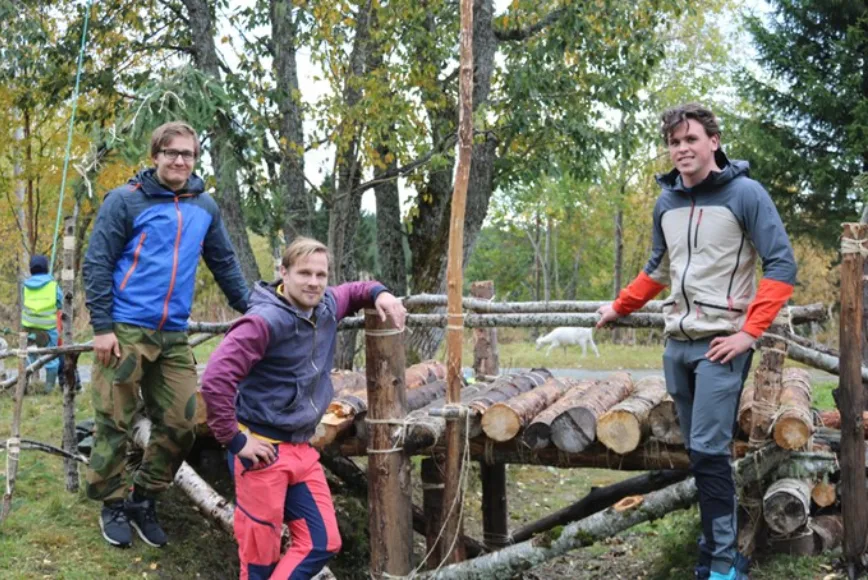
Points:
[[673, 117], [163, 134], [302, 247]]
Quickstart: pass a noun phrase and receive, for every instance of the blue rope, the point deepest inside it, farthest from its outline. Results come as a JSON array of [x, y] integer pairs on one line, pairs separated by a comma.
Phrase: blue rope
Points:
[[69, 136]]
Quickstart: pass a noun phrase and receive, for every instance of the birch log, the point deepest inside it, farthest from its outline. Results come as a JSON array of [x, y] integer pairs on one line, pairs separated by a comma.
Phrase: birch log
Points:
[[537, 435], [745, 409], [794, 422], [664, 422], [576, 427], [416, 399], [509, 561], [621, 429], [787, 505], [502, 421]]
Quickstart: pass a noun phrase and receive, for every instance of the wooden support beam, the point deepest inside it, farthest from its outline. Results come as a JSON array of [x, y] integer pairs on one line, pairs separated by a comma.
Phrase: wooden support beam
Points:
[[389, 500], [849, 397], [13, 450], [495, 510], [70, 361]]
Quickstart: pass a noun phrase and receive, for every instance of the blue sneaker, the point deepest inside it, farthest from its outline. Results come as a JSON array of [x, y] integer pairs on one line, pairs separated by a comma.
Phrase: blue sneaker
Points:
[[739, 571], [719, 576]]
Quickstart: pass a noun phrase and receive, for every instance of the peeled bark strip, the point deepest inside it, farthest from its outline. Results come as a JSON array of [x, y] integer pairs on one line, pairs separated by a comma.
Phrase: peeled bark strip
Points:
[[508, 562], [664, 422], [794, 424], [576, 427], [502, 421], [537, 435], [745, 409], [787, 505], [767, 390], [621, 429], [823, 494]]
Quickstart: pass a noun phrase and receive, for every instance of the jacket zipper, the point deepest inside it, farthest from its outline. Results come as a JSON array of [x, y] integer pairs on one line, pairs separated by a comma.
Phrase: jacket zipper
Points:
[[135, 260], [684, 273], [696, 231], [734, 270], [174, 265]]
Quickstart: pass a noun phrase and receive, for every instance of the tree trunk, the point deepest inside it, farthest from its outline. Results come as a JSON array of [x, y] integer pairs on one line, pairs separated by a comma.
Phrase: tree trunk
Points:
[[664, 422], [787, 505], [621, 429], [502, 421], [508, 562], [70, 361], [223, 151], [795, 421], [767, 390], [297, 202], [429, 251], [575, 428], [390, 233], [537, 435]]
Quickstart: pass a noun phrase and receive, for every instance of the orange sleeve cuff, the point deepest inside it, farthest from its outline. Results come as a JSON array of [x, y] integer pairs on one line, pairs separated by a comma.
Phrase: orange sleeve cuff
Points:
[[771, 295], [637, 294]]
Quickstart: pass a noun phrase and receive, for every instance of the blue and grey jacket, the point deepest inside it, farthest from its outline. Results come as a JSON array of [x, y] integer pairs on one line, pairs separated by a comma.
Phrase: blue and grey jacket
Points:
[[140, 266], [705, 247]]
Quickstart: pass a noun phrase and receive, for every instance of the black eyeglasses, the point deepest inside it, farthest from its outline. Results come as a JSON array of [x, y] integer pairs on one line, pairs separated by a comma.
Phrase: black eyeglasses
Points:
[[172, 154]]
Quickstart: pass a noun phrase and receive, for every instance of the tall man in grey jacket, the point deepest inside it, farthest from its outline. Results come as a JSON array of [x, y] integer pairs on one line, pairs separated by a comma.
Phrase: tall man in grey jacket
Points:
[[711, 224]]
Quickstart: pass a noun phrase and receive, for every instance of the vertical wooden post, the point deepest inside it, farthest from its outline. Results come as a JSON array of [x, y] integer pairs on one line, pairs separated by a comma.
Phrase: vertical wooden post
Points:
[[13, 444], [455, 427], [432, 506], [850, 398], [495, 513], [390, 518], [70, 361]]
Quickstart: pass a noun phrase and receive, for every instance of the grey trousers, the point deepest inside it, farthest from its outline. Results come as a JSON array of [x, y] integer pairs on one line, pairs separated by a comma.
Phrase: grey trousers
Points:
[[706, 396]]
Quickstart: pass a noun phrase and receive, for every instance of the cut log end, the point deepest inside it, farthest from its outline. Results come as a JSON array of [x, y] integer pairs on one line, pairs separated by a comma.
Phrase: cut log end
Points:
[[501, 423], [823, 494], [620, 431], [792, 433], [628, 503]]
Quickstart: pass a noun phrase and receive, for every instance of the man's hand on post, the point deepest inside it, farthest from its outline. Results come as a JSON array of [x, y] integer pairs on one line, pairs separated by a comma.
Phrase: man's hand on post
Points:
[[105, 346], [390, 307], [725, 348], [607, 315]]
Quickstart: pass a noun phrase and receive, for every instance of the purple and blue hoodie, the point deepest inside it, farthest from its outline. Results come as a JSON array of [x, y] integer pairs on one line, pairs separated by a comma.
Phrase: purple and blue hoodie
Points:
[[271, 371]]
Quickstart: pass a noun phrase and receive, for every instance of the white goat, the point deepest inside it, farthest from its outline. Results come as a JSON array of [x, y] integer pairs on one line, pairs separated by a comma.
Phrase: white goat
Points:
[[567, 335]]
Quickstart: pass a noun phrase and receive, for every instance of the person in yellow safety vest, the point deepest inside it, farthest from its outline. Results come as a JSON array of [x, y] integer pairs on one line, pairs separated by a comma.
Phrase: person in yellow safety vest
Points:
[[42, 299]]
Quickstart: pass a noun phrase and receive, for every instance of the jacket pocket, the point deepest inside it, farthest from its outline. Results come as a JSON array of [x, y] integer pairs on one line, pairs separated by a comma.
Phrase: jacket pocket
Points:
[[715, 315], [135, 263]]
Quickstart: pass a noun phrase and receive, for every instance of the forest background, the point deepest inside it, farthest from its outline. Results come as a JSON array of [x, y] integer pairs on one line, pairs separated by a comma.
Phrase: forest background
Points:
[[338, 119]]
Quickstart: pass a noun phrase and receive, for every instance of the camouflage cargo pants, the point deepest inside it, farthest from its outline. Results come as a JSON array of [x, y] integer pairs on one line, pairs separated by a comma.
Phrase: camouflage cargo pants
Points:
[[160, 367]]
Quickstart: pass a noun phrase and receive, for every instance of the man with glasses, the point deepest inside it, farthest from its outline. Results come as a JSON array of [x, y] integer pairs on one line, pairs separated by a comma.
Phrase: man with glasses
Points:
[[139, 273]]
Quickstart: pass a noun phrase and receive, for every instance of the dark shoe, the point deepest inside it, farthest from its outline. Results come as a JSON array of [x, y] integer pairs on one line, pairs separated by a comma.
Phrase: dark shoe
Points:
[[115, 525], [143, 517]]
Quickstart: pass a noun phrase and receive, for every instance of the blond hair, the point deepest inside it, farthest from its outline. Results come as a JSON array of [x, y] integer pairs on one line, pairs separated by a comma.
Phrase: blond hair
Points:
[[302, 247], [164, 134]]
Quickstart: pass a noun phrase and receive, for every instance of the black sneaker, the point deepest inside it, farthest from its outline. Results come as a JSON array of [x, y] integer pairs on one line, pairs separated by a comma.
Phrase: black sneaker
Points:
[[115, 525], [143, 517]]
